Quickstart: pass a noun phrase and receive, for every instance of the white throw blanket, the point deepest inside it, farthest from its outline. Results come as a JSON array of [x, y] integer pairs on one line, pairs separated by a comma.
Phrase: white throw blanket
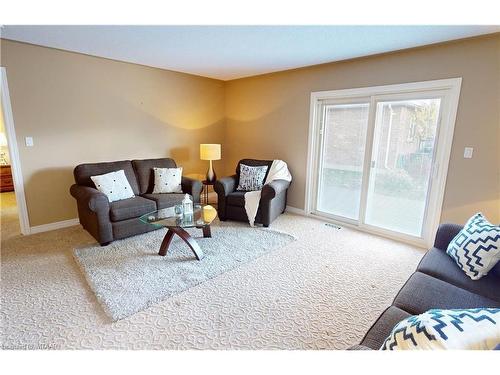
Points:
[[279, 171]]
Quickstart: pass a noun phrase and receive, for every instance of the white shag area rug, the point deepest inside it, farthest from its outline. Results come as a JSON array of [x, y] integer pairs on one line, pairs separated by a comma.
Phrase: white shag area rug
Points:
[[128, 276], [322, 291]]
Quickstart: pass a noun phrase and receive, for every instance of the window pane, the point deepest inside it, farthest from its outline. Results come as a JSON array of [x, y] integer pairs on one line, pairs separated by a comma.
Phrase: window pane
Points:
[[342, 160], [403, 149]]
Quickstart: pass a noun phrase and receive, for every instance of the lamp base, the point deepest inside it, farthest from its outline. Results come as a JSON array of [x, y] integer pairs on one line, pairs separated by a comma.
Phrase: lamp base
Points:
[[211, 176]]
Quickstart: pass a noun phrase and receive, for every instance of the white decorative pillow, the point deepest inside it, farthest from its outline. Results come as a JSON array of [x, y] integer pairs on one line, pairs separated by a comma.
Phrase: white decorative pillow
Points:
[[476, 248], [251, 178], [114, 184], [447, 329], [167, 180]]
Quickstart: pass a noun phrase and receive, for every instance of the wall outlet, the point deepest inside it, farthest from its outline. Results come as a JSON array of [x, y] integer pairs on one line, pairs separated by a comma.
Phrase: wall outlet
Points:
[[468, 152], [29, 141]]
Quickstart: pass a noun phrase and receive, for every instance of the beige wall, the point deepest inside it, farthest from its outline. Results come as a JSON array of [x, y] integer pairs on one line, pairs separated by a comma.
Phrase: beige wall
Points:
[[82, 109], [86, 109], [268, 116]]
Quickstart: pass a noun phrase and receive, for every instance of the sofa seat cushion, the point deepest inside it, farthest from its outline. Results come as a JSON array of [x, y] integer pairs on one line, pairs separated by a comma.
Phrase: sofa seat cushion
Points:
[[236, 198], [131, 208], [383, 326], [438, 264], [423, 292], [165, 200]]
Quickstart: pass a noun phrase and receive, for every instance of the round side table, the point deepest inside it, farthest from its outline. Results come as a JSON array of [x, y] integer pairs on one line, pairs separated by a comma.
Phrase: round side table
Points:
[[206, 184]]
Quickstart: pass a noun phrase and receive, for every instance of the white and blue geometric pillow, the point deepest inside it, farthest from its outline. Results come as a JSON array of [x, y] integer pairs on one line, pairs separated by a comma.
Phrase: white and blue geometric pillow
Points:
[[447, 329], [476, 248]]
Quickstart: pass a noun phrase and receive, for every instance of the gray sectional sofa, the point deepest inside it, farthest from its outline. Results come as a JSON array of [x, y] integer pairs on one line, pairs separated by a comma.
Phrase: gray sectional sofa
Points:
[[107, 221], [438, 283]]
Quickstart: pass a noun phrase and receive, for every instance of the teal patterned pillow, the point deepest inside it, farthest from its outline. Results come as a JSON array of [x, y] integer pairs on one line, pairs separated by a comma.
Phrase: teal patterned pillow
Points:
[[476, 248], [447, 329], [251, 178]]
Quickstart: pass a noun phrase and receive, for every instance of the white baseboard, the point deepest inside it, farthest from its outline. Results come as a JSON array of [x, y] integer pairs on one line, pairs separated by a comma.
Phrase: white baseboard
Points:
[[53, 226], [295, 210]]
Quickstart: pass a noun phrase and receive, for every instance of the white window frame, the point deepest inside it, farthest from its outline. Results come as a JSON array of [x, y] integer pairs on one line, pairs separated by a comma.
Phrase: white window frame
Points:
[[15, 161], [448, 90]]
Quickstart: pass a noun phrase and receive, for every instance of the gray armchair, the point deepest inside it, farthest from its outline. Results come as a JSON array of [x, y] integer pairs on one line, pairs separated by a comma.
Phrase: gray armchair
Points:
[[231, 203]]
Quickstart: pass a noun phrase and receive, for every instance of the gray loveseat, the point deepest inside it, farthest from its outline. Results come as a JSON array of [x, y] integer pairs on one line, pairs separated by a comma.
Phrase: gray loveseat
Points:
[[231, 203], [107, 221], [438, 283]]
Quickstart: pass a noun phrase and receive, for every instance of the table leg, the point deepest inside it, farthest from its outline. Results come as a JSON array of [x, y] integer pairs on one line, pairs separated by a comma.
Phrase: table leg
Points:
[[193, 245], [206, 194], [166, 242], [207, 233]]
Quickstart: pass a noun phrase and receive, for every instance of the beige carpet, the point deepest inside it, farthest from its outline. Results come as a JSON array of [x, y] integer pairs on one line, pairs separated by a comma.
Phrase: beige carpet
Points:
[[322, 291], [9, 221]]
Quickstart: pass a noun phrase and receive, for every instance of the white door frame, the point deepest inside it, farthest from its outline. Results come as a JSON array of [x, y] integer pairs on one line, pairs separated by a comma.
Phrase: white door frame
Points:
[[440, 169], [15, 162]]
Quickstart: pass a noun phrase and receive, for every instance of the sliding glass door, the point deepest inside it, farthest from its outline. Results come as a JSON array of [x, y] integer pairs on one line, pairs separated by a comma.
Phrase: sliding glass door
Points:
[[401, 164], [341, 165], [375, 157]]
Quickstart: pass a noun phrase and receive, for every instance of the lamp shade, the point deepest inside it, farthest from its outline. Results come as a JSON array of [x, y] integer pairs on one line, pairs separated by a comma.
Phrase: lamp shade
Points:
[[3, 140], [209, 151]]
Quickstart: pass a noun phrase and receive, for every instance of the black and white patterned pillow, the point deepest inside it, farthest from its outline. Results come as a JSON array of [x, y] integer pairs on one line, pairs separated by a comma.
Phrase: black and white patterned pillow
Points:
[[251, 178]]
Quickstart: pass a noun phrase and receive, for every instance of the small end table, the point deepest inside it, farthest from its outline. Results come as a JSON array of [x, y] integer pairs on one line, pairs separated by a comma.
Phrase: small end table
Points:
[[206, 184]]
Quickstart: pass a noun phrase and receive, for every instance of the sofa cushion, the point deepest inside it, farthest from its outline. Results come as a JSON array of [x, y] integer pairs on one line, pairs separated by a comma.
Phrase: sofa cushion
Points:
[[445, 233], [236, 198], [438, 264], [83, 172], [423, 292], [145, 174], [131, 227], [383, 326], [131, 208], [165, 200]]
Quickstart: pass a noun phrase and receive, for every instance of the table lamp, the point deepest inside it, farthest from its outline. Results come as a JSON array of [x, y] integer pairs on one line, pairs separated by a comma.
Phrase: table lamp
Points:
[[210, 151]]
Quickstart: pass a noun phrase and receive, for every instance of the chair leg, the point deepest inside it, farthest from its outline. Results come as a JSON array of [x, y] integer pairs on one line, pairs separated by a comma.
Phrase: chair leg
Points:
[[105, 243]]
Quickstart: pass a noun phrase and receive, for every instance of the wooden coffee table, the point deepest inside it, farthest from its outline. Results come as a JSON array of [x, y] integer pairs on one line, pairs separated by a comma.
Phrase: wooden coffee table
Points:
[[177, 225]]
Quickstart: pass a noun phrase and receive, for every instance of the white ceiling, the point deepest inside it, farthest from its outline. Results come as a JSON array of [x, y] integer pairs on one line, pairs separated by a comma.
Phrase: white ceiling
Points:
[[229, 52]]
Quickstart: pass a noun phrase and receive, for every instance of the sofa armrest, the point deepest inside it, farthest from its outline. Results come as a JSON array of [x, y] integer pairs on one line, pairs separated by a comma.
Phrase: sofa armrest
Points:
[[272, 189], [226, 185], [445, 233], [93, 198], [359, 347], [193, 187]]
